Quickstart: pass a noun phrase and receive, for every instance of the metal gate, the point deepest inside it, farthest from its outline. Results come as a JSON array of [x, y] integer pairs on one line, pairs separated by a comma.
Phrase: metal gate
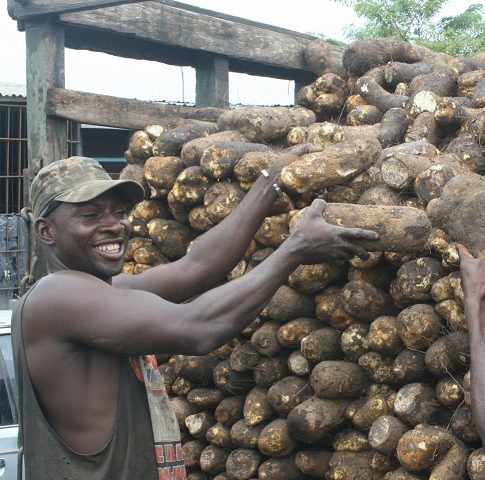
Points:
[[14, 229]]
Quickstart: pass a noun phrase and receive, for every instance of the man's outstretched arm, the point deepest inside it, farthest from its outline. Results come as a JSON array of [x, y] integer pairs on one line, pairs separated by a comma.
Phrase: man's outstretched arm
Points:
[[216, 252], [473, 281], [136, 322]]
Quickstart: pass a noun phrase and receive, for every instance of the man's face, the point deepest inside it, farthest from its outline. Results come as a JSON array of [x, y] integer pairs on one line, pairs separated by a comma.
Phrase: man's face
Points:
[[92, 237]]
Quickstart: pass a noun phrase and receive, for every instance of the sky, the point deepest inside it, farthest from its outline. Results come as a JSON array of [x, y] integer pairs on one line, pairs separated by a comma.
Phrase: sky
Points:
[[100, 73]]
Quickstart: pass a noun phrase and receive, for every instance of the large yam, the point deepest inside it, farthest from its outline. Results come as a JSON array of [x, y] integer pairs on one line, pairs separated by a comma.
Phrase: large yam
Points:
[[400, 229], [362, 55], [459, 211], [335, 165], [264, 124]]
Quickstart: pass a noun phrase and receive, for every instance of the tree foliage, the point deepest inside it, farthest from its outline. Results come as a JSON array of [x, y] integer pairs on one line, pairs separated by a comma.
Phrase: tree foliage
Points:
[[417, 21]]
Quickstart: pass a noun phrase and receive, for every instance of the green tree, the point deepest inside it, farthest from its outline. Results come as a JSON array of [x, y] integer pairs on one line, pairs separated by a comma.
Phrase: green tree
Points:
[[416, 21]]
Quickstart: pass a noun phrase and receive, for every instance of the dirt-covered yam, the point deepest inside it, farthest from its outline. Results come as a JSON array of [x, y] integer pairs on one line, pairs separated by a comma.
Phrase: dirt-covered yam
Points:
[[314, 419], [192, 150], [385, 432], [287, 304], [170, 236], [416, 403], [333, 379], [257, 409], [365, 301], [383, 336], [219, 159], [290, 334], [172, 141], [275, 439], [265, 339], [430, 447], [243, 464], [354, 341], [287, 393], [330, 308], [229, 410], [415, 279], [264, 124], [418, 326]]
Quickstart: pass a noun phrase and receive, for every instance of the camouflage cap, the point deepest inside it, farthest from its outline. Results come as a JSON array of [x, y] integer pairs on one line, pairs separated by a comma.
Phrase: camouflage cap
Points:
[[76, 180]]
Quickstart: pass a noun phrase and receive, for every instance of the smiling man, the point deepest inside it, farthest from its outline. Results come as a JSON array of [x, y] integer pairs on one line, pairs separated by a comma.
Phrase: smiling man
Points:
[[84, 413]]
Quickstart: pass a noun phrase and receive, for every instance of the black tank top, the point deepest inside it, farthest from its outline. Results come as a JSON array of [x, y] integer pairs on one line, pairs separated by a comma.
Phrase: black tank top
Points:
[[129, 453]]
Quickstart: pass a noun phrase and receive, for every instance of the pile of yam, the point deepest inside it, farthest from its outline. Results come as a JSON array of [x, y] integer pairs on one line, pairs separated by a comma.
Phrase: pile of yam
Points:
[[357, 371]]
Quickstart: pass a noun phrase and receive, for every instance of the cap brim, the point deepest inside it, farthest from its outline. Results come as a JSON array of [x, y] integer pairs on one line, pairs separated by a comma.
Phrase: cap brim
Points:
[[130, 190]]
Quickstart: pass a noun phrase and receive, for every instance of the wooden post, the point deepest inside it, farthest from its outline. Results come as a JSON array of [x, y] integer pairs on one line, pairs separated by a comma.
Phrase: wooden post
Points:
[[299, 83], [45, 69], [46, 136], [212, 82]]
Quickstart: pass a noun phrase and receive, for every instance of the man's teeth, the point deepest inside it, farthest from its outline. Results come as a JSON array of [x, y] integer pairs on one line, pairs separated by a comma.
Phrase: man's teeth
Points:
[[110, 248]]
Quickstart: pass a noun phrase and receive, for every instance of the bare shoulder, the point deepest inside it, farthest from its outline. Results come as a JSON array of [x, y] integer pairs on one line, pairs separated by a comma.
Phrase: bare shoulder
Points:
[[59, 295]]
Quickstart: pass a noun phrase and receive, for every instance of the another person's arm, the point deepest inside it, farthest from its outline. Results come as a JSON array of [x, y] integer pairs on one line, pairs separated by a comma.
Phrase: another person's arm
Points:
[[93, 313], [473, 281], [216, 252]]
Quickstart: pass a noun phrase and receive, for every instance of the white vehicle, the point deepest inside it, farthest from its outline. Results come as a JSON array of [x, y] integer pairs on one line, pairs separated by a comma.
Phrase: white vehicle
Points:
[[8, 403]]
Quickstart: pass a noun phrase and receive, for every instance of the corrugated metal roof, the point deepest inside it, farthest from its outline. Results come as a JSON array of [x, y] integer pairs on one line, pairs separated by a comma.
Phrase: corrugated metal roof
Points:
[[8, 89]]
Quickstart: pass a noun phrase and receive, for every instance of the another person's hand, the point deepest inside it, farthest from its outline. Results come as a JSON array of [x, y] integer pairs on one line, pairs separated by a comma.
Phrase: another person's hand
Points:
[[316, 241], [289, 156], [473, 283]]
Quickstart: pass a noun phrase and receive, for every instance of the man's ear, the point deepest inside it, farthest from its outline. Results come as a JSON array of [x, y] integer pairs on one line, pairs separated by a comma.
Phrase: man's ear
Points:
[[45, 230]]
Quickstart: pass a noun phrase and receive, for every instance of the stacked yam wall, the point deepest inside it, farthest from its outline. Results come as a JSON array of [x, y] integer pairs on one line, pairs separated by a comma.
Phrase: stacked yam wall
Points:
[[356, 371]]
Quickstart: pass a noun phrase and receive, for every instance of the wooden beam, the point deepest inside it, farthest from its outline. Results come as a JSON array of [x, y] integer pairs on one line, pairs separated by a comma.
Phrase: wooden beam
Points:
[[212, 82], [104, 41], [174, 26], [23, 9], [120, 112]]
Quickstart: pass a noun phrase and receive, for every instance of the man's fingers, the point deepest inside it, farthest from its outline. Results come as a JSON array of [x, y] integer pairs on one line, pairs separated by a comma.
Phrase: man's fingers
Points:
[[318, 206], [464, 252], [360, 233], [303, 149]]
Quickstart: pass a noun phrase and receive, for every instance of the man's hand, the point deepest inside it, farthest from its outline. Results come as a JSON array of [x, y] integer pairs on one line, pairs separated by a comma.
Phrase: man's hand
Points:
[[289, 156], [317, 241]]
